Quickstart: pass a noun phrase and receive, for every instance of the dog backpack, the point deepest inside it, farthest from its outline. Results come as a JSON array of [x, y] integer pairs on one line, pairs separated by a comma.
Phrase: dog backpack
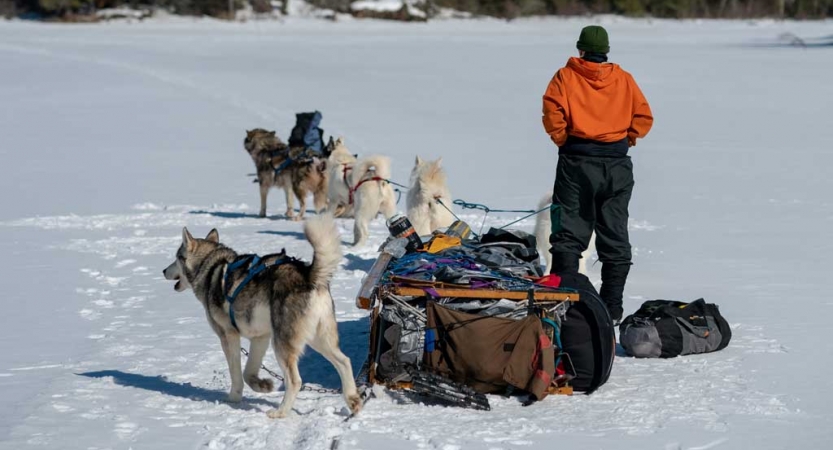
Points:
[[306, 132], [665, 329]]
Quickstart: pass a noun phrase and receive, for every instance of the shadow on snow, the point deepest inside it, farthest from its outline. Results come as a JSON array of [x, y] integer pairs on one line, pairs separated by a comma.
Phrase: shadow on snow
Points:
[[314, 369], [355, 262]]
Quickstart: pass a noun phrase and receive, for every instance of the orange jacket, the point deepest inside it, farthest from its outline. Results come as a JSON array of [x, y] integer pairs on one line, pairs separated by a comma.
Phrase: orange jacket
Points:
[[595, 101]]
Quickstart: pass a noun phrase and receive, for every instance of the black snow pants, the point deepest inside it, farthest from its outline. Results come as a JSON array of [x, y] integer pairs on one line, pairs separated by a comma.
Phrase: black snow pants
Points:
[[593, 193]]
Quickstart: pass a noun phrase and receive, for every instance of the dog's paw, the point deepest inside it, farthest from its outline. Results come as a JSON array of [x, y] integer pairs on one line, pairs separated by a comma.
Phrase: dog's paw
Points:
[[290, 214], [234, 397], [261, 385], [354, 403], [276, 414], [262, 214], [297, 218]]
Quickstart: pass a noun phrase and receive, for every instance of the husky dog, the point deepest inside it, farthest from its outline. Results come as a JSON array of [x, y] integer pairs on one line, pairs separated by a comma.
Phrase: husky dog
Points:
[[267, 150], [310, 176], [288, 303], [543, 229], [360, 184], [340, 162], [295, 170], [428, 184]]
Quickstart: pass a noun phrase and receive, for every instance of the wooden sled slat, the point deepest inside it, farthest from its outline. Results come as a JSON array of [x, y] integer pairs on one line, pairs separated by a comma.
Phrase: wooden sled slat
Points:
[[486, 293], [363, 300]]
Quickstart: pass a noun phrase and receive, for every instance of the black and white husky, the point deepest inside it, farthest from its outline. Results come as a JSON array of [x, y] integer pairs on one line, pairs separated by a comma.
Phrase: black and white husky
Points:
[[287, 303]]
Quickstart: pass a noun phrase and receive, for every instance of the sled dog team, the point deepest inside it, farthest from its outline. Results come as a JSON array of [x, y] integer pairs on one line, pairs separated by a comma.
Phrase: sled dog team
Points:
[[343, 184], [281, 300]]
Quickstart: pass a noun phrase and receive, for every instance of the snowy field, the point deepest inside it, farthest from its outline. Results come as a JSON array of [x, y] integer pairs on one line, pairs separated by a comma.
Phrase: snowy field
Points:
[[114, 136]]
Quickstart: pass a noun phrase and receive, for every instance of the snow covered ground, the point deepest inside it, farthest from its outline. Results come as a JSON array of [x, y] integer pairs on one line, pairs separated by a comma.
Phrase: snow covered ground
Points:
[[114, 136]]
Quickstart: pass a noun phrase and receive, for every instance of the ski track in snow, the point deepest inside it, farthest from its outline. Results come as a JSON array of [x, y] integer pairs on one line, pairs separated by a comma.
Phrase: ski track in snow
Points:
[[153, 369]]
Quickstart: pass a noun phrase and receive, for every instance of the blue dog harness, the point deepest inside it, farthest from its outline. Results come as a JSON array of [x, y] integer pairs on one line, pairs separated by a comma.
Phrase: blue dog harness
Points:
[[256, 266], [283, 165], [289, 161]]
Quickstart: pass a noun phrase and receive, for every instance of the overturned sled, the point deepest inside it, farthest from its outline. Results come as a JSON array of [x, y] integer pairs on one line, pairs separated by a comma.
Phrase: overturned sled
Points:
[[474, 316]]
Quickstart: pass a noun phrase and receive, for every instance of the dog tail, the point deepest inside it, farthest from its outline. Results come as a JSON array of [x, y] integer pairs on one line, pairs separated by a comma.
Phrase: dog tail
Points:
[[378, 165], [543, 229], [322, 233]]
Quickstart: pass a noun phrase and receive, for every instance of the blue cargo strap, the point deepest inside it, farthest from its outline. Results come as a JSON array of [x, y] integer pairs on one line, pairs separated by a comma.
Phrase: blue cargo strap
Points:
[[255, 267], [283, 165]]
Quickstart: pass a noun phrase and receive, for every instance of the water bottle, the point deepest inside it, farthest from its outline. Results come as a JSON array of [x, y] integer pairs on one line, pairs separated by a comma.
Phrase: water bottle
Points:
[[459, 229], [400, 227]]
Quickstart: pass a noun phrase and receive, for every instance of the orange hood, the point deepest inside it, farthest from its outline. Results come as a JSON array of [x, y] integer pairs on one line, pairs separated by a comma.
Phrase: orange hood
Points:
[[598, 75]]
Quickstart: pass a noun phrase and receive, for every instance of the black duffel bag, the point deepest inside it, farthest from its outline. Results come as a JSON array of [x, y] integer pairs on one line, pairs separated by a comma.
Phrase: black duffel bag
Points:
[[666, 328]]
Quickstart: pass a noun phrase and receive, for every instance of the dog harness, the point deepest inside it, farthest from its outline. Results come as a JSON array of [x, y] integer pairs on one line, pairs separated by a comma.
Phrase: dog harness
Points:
[[286, 163], [289, 160], [352, 190], [256, 266]]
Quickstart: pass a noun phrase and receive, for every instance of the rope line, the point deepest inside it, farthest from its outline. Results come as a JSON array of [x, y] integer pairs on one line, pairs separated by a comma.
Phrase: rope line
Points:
[[548, 207], [467, 205]]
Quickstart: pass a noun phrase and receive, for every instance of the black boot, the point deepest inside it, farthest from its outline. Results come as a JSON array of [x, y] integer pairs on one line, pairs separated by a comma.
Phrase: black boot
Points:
[[613, 286], [564, 262]]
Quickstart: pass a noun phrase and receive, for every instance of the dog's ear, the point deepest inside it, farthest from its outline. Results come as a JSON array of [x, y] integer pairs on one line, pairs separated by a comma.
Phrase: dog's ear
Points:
[[213, 236], [187, 239], [340, 140], [439, 161], [418, 161], [272, 133], [328, 149]]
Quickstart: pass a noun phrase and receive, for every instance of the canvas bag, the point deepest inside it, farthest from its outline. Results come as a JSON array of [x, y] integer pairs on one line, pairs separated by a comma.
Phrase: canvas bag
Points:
[[667, 328], [489, 353]]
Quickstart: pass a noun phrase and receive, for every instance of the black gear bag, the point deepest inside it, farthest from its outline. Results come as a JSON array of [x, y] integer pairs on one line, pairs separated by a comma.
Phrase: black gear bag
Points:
[[666, 328], [587, 335]]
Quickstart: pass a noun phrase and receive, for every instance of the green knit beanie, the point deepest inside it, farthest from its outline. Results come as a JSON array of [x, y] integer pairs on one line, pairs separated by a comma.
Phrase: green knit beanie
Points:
[[593, 39]]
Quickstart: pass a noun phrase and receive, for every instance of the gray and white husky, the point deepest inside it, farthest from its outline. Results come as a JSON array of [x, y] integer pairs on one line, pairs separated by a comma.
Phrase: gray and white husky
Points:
[[288, 304]]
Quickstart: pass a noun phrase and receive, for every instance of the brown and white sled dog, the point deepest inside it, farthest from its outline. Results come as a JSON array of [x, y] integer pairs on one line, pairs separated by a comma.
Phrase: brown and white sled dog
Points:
[[360, 184], [303, 174], [543, 229], [428, 184], [310, 177], [288, 304]]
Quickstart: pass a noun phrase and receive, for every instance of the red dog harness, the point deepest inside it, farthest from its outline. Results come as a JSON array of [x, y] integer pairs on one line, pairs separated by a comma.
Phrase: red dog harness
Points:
[[352, 190]]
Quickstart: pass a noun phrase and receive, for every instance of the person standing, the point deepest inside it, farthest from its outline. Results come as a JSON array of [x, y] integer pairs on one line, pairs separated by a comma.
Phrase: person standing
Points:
[[594, 112]]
